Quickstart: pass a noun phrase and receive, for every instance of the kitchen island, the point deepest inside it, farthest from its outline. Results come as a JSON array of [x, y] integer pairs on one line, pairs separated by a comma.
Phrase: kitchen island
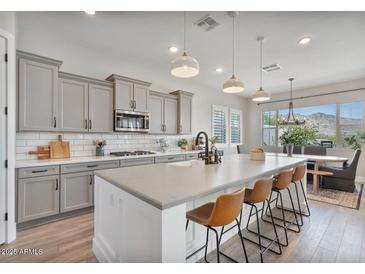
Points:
[[140, 211]]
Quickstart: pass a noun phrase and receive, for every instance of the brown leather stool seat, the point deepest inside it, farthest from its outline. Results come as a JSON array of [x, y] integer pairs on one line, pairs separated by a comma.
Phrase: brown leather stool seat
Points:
[[281, 183], [224, 211], [201, 214]]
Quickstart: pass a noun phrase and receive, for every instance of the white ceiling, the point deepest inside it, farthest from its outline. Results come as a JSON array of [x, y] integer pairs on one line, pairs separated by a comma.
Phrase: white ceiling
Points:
[[335, 54]]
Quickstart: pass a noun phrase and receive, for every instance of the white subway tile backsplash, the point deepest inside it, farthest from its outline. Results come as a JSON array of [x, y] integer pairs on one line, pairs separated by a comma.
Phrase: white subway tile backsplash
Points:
[[49, 136], [27, 135], [73, 136], [81, 144], [21, 143]]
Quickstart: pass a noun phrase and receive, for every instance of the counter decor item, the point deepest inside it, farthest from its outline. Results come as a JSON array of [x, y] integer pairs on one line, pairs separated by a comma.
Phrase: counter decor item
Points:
[[182, 143], [59, 149], [213, 141], [257, 154], [100, 144], [42, 152], [298, 136]]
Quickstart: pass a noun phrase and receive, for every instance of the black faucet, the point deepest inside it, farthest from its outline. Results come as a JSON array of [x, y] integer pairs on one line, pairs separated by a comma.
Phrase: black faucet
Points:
[[206, 156]]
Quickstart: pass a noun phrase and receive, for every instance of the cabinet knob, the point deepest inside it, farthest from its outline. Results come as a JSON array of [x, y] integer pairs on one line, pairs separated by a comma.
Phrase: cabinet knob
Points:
[[90, 125], [56, 184], [86, 125], [54, 122]]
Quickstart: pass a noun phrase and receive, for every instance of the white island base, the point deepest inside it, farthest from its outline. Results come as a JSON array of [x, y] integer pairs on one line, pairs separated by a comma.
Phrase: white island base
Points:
[[128, 229], [147, 227]]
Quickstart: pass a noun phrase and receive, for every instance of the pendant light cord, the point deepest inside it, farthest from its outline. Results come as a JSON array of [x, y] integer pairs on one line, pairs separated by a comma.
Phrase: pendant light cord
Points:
[[233, 34], [184, 31], [260, 64]]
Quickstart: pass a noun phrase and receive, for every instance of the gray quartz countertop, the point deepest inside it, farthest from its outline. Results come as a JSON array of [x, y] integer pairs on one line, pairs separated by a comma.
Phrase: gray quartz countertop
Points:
[[86, 159], [167, 185]]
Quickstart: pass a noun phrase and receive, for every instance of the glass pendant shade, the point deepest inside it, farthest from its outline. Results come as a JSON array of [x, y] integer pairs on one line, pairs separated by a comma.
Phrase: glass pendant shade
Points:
[[233, 85], [260, 95], [184, 66]]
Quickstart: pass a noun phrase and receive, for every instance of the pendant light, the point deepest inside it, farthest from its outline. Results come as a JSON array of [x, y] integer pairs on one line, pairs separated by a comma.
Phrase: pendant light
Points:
[[233, 84], [291, 119], [184, 66], [260, 95]]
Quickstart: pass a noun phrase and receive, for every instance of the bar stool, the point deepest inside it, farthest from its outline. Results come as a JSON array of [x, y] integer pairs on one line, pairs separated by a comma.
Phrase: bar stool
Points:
[[298, 175], [282, 182], [260, 194], [223, 212]]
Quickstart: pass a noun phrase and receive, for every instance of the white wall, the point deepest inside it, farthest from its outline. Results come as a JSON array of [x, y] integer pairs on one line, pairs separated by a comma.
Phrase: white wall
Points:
[[81, 60], [7, 21], [254, 134]]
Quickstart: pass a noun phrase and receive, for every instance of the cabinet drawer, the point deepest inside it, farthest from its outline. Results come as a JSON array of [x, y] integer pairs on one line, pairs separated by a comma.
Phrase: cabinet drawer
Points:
[[30, 172], [137, 162], [170, 158], [191, 156], [89, 166]]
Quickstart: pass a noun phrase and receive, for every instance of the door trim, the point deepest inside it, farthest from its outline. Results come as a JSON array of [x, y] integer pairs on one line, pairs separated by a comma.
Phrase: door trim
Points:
[[10, 127]]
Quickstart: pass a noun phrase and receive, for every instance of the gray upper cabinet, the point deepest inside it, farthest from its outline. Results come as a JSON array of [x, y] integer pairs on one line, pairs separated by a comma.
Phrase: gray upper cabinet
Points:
[[156, 104], [141, 93], [130, 94], [163, 113], [123, 94], [76, 191], [185, 102], [38, 197], [37, 90], [84, 104], [170, 115], [100, 108], [73, 97]]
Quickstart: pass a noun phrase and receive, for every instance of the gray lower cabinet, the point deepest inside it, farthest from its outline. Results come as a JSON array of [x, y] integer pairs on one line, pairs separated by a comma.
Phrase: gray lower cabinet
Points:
[[191, 156], [38, 197], [37, 92], [170, 158], [76, 191], [137, 161]]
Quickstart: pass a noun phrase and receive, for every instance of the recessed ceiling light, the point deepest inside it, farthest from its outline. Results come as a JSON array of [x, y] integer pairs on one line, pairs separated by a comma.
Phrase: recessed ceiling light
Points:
[[304, 40], [173, 49], [219, 70], [90, 12]]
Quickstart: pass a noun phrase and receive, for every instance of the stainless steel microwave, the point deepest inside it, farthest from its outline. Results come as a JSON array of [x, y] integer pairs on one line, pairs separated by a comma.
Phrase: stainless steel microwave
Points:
[[131, 121]]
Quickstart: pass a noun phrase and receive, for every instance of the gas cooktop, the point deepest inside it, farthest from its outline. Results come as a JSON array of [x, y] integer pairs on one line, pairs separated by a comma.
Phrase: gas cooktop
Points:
[[131, 153]]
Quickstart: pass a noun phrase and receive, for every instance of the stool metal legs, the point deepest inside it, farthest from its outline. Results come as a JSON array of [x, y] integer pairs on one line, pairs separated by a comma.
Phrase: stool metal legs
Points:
[[300, 212], [263, 248], [218, 241], [286, 224]]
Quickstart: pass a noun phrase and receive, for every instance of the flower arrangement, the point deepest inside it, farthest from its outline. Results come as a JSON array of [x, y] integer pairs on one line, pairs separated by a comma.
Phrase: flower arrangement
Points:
[[100, 143], [182, 143], [299, 135], [99, 147]]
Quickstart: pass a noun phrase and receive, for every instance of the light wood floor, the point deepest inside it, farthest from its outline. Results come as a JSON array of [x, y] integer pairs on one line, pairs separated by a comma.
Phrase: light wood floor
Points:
[[331, 234]]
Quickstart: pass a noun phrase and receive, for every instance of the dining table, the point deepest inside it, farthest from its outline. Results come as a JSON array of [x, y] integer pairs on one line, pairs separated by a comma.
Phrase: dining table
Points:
[[317, 160]]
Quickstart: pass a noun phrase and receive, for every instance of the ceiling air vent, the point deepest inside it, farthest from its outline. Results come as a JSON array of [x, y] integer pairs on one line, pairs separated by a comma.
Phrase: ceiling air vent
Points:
[[271, 67], [207, 23]]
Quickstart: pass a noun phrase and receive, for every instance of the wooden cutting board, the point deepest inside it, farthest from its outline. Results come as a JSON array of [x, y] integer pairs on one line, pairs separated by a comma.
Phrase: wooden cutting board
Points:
[[42, 152], [59, 149]]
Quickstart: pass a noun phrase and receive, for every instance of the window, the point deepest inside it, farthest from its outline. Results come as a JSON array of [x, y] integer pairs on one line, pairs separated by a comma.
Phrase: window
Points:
[[351, 119], [334, 121], [220, 124], [269, 128], [235, 125]]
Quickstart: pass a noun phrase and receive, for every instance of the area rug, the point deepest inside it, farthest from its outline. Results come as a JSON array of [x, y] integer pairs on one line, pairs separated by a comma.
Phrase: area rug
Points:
[[336, 197]]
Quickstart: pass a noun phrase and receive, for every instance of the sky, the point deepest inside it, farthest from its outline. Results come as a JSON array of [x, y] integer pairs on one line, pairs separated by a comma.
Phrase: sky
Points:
[[347, 110]]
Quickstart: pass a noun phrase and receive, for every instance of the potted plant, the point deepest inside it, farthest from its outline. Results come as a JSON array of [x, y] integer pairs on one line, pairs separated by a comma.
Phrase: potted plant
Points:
[[298, 136], [213, 140], [354, 141], [100, 147], [183, 143]]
